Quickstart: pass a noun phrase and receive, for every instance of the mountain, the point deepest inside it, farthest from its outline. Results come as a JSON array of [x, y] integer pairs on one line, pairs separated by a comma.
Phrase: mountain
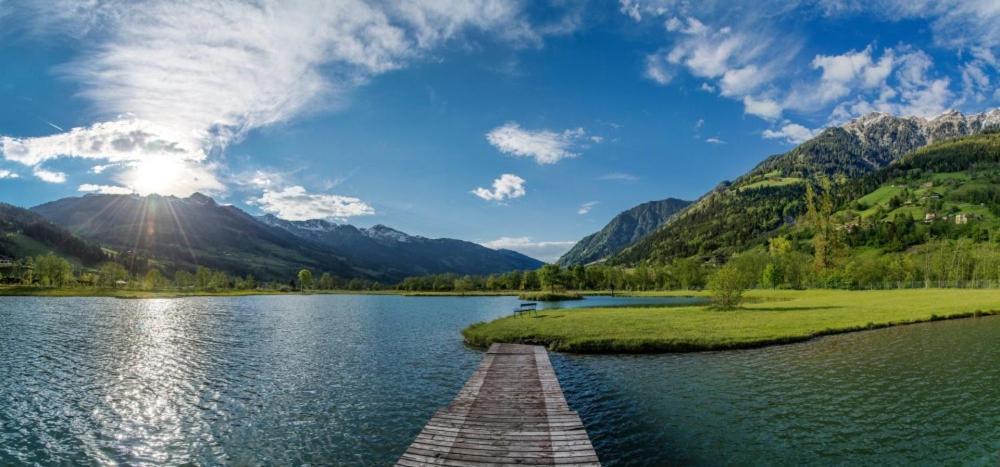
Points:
[[741, 213], [24, 233], [390, 252], [196, 231], [623, 230], [189, 232]]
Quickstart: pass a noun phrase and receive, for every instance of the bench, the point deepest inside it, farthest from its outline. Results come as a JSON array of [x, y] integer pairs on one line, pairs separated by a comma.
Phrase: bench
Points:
[[526, 308]]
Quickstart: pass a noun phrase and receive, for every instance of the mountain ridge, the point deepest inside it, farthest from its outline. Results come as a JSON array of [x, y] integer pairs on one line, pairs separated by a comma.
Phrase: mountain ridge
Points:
[[624, 229], [735, 214]]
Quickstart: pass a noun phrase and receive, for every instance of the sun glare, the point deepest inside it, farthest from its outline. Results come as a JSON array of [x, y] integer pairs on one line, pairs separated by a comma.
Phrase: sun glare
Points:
[[160, 176]]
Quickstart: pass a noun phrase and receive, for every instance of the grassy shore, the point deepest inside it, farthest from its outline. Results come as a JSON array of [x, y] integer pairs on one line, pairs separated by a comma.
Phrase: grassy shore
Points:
[[770, 317], [549, 296]]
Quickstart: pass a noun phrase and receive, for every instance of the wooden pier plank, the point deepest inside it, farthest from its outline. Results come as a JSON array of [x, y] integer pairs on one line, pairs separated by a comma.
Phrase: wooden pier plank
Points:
[[510, 412]]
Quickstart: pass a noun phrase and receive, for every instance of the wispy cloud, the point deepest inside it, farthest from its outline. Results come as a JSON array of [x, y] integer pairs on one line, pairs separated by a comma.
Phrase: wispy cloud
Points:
[[8, 174], [193, 77], [508, 186], [296, 204], [792, 133], [548, 251], [619, 177], [714, 140], [730, 47], [49, 176], [586, 207], [545, 146], [104, 189]]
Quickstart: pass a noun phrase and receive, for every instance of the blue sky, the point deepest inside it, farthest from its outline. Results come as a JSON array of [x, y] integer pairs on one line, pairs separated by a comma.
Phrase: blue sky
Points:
[[514, 124]]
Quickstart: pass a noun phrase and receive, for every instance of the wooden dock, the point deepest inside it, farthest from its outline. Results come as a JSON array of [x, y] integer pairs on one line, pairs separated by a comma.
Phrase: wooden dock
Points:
[[510, 412]]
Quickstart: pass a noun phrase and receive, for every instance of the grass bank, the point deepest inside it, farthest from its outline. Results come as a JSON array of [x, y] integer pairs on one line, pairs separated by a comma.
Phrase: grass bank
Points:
[[549, 296], [772, 317]]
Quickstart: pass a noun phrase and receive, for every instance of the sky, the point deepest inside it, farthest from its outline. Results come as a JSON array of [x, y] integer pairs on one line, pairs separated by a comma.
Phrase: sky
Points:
[[515, 124]]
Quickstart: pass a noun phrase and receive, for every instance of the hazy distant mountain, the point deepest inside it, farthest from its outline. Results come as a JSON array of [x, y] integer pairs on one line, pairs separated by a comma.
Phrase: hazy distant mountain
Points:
[[186, 232], [393, 253], [24, 233], [623, 230], [738, 214]]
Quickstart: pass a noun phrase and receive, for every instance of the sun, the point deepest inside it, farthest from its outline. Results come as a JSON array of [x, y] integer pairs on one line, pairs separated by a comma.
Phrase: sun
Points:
[[164, 176]]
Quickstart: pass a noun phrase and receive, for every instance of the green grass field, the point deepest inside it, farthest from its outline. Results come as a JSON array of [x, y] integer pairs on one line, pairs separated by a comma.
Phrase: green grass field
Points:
[[769, 317]]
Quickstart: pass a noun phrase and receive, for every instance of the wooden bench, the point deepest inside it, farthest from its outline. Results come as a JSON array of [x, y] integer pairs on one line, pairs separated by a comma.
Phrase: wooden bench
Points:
[[529, 307]]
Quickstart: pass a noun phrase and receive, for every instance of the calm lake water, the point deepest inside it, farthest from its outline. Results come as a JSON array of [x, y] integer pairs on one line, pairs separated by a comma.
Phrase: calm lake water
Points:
[[350, 380]]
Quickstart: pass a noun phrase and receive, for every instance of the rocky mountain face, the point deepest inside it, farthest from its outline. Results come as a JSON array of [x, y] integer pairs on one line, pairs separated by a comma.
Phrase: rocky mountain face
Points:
[[736, 215], [623, 230], [397, 254]]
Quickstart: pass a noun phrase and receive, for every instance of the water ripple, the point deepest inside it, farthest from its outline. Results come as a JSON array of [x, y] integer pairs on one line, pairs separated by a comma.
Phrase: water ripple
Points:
[[350, 380]]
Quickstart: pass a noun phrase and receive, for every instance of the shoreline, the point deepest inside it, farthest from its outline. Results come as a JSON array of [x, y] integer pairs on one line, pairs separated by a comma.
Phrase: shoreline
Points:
[[768, 320], [56, 292]]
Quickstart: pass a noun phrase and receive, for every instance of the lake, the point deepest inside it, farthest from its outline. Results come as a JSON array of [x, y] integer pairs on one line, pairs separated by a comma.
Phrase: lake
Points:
[[350, 380]]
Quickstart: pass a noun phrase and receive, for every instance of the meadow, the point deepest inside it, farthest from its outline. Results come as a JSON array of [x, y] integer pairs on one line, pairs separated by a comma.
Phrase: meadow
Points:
[[768, 317]]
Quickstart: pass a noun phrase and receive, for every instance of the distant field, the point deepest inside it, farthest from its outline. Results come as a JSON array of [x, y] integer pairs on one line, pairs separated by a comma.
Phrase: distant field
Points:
[[771, 317]]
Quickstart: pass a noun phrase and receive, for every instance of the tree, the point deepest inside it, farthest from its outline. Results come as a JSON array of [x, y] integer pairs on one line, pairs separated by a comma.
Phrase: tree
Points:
[[549, 276], [529, 281], [154, 279], [727, 286], [110, 273], [326, 281], [53, 271], [305, 278], [771, 277], [183, 279], [202, 277]]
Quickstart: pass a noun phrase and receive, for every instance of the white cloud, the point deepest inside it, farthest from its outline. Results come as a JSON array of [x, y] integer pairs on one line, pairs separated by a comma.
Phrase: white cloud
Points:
[[125, 139], [586, 207], [714, 140], [294, 203], [957, 24], [791, 132], [548, 251], [912, 89], [631, 9], [741, 81], [49, 176], [193, 77], [764, 108], [104, 189], [508, 186], [707, 87], [545, 146], [8, 174], [619, 177], [850, 73], [658, 70]]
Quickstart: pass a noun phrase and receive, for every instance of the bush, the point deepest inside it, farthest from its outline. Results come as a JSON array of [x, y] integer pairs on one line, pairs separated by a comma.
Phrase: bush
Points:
[[727, 285]]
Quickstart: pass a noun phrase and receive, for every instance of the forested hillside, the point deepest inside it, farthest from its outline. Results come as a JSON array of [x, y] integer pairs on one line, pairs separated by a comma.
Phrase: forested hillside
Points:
[[24, 233], [746, 212]]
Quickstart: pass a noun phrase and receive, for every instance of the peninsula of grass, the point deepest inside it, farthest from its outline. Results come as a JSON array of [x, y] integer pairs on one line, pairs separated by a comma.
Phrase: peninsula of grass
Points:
[[769, 318], [549, 296]]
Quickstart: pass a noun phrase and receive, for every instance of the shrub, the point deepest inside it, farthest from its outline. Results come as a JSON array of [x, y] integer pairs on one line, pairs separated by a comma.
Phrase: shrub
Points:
[[727, 285]]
